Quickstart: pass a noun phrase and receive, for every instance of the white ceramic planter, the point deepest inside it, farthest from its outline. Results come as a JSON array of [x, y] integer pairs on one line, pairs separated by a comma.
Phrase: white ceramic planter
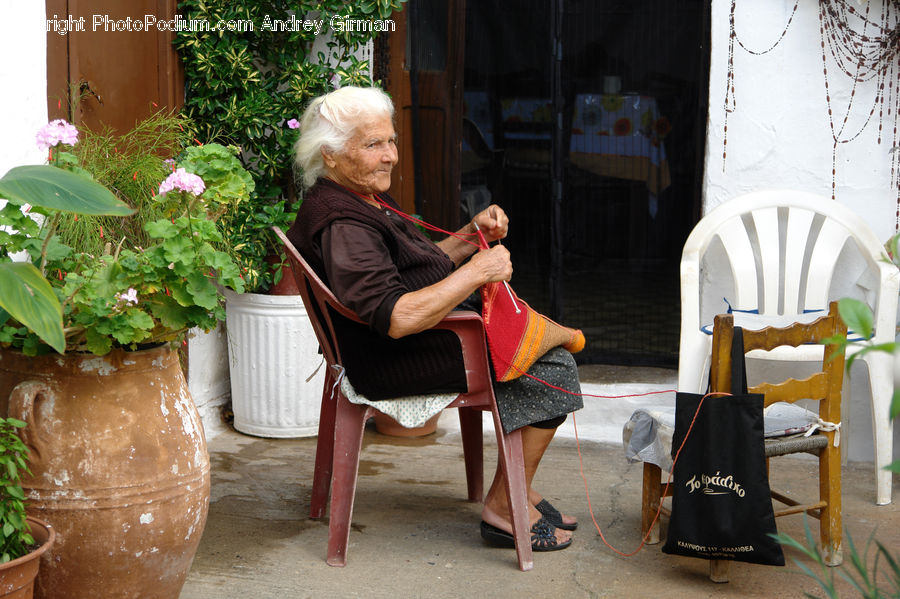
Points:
[[272, 350]]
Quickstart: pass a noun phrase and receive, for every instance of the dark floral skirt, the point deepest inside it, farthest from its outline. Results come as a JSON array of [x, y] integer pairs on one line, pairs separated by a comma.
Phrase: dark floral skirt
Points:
[[523, 401]]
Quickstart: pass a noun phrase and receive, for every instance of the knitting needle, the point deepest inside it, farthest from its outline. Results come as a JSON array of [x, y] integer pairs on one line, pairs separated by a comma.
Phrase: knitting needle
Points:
[[505, 284]]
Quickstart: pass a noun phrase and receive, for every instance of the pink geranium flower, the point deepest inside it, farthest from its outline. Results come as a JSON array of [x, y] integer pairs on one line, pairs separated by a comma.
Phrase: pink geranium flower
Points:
[[56, 132], [181, 180], [293, 124], [128, 297]]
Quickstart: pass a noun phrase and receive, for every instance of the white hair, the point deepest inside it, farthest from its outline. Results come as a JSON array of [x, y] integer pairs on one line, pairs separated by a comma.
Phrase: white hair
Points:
[[331, 120]]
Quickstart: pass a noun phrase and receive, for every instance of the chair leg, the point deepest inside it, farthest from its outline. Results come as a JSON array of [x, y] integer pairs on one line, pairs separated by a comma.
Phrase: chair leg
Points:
[[349, 426], [473, 449], [512, 462], [718, 570], [830, 519], [324, 452], [650, 498], [881, 383]]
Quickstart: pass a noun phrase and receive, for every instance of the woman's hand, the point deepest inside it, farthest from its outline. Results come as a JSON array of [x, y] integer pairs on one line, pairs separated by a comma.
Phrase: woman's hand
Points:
[[493, 222], [493, 264]]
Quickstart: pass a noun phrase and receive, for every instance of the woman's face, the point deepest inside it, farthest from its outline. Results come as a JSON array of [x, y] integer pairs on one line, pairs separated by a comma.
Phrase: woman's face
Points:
[[367, 159]]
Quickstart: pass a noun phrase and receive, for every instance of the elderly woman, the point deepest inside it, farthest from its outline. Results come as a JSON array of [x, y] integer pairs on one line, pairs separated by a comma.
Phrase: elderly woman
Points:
[[401, 284]]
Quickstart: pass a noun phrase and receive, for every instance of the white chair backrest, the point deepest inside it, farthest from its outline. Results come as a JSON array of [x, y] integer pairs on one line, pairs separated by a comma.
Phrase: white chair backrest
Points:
[[783, 248]]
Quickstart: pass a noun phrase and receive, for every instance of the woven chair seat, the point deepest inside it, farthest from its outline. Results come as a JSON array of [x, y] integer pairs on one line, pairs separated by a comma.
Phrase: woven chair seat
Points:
[[795, 444]]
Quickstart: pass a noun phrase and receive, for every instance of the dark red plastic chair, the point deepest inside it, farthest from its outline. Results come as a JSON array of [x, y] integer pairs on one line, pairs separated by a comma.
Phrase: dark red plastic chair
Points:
[[341, 423]]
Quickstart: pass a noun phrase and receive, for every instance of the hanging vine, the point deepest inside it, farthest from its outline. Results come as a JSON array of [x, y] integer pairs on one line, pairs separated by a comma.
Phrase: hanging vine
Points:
[[863, 42], [864, 47]]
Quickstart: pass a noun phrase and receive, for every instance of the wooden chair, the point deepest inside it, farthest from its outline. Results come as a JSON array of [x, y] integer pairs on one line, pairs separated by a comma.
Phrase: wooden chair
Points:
[[342, 423], [824, 387]]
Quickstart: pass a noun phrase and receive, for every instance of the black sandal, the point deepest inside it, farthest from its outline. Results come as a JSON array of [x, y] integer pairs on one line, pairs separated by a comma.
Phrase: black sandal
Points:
[[553, 516], [543, 536]]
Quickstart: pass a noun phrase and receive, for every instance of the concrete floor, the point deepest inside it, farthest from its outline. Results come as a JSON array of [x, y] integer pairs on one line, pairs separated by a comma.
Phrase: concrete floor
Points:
[[415, 535]]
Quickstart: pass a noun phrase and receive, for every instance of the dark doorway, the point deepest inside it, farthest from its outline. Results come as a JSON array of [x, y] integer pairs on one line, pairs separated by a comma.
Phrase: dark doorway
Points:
[[585, 120]]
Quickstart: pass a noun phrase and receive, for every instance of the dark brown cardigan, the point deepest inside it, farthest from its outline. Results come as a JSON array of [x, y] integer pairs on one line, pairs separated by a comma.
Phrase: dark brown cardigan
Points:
[[378, 366]]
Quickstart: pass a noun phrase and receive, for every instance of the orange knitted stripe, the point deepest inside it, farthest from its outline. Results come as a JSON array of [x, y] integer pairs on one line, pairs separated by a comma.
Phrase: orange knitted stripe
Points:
[[529, 348]]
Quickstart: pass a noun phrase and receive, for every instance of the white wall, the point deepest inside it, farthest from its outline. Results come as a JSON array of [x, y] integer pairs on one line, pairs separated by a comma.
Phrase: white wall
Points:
[[23, 81], [779, 136]]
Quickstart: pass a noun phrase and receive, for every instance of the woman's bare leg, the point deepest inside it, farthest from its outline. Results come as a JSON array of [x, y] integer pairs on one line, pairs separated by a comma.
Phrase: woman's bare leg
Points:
[[534, 497], [496, 507]]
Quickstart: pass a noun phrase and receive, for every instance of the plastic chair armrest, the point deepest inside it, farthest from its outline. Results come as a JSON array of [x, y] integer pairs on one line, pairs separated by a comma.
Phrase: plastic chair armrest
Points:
[[469, 328]]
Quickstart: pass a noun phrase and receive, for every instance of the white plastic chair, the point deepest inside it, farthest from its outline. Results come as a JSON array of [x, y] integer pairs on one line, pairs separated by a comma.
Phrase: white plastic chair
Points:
[[782, 256]]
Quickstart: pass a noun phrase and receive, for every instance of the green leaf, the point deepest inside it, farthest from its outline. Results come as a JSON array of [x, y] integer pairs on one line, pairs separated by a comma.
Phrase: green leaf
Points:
[[203, 291], [51, 187], [857, 315], [895, 405], [892, 563], [170, 314], [161, 229], [15, 491], [179, 250], [28, 297], [138, 319], [97, 343], [180, 294], [16, 517]]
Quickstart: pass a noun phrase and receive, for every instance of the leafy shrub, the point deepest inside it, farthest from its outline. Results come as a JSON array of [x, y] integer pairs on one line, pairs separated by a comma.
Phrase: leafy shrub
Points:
[[242, 87], [131, 165], [16, 539]]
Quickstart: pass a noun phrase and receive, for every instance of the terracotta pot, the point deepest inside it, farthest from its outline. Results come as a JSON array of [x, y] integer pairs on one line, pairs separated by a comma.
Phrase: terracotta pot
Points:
[[119, 466], [17, 576], [386, 425], [288, 284]]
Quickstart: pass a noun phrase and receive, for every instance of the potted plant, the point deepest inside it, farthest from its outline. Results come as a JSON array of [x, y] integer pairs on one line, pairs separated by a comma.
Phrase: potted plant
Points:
[[271, 345], [119, 461], [244, 86], [24, 539], [273, 353]]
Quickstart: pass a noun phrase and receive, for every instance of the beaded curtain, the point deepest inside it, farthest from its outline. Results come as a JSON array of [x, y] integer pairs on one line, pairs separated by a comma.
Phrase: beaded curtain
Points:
[[860, 38]]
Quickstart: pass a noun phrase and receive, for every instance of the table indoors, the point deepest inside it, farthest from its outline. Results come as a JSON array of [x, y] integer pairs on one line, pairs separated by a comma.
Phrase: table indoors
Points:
[[610, 135]]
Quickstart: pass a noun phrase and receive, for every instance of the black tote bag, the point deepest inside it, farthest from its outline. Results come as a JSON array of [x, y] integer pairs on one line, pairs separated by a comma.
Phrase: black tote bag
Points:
[[721, 506]]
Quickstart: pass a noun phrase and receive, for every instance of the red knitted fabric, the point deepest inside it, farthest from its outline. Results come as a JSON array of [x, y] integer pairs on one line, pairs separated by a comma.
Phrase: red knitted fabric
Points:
[[517, 340], [517, 334]]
